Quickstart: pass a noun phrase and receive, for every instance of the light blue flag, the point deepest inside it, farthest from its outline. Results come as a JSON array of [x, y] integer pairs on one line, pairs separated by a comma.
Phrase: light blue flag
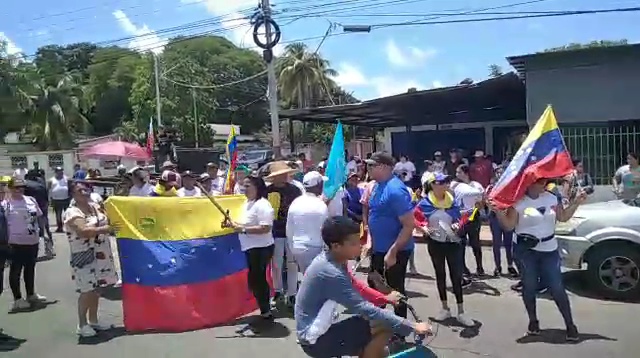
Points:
[[336, 166]]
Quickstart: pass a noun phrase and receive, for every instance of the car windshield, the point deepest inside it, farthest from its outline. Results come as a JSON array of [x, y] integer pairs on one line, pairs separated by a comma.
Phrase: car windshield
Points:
[[632, 202], [250, 156]]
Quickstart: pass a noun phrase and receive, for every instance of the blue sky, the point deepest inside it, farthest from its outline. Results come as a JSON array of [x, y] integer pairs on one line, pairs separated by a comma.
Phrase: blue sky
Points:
[[384, 62]]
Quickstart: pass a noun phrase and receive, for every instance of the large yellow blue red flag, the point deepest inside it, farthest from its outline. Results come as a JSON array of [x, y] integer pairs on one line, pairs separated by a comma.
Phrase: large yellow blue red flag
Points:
[[232, 157], [542, 155], [180, 269]]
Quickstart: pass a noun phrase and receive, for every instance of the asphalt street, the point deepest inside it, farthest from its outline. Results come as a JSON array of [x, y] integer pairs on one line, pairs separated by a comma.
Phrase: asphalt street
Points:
[[608, 329]]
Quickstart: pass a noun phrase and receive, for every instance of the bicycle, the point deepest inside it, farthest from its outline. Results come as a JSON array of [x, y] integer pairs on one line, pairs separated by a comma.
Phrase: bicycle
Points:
[[416, 349]]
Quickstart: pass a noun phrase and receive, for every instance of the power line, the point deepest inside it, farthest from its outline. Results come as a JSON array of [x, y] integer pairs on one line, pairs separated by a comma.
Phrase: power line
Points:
[[182, 84], [503, 18]]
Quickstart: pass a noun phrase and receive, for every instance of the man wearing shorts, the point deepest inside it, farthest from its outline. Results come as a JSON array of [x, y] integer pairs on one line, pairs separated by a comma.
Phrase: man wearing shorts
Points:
[[327, 284]]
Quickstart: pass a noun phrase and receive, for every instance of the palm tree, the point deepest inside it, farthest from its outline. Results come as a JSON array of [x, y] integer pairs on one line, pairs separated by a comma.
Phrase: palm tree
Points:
[[56, 112], [304, 77], [13, 98]]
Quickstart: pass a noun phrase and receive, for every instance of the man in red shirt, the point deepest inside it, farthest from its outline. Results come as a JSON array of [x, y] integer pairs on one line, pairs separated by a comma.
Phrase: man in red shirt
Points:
[[481, 170]]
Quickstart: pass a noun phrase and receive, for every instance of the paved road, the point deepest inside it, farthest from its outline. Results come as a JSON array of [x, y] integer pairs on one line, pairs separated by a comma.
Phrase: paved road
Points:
[[608, 329]]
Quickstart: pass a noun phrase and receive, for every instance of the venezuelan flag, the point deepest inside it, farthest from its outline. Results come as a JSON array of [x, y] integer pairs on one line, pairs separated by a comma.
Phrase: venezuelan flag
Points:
[[542, 155], [180, 270], [232, 157]]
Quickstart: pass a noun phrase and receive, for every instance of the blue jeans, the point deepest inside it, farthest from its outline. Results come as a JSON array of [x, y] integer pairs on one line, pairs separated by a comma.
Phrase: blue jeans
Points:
[[501, 238], [537, 266]]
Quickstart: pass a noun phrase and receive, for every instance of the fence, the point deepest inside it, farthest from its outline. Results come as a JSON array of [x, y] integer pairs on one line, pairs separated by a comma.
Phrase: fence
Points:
[[602, 148]]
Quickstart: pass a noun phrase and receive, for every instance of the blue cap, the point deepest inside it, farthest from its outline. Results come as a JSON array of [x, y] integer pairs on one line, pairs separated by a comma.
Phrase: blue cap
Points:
[[439, 178]]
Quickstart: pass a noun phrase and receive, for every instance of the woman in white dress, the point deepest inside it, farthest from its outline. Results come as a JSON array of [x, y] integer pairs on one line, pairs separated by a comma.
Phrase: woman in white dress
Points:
[[91, 260]]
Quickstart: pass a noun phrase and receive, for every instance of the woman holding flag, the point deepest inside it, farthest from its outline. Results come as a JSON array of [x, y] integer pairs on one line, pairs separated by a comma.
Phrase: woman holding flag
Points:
[[522, 203]]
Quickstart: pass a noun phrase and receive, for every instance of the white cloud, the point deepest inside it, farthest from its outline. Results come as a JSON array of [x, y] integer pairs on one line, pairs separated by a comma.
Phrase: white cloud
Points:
[[239, 30], [408, 57], [350, 75], [12, 48], [436, 84], [146, 39], [389, 86]]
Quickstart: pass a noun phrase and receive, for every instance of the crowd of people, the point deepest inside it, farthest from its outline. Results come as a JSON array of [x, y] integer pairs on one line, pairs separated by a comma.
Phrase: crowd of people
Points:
[[290, 223]]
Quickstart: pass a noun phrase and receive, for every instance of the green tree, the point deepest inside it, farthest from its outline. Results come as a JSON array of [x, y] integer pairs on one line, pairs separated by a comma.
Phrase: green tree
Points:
[[466, 81], [593, 44], [14, 77], [56, 112], [495, 71]]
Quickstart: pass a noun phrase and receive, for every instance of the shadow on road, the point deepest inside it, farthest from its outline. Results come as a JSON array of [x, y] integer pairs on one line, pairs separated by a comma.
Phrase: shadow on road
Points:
[[419, 276], [103, 336], [415, 294], [480, 287], [558, 336], [9, 343], [455, 326], [255, 327], [575, 283], [35, 307]]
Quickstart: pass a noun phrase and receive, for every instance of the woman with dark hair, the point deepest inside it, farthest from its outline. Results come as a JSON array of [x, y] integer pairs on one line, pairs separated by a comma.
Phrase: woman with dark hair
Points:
[[23, 217], [437, 216], [533, 219], [500, 237], [256, 240], [92, 262], [581, 179], [626, 181], [469, 195]]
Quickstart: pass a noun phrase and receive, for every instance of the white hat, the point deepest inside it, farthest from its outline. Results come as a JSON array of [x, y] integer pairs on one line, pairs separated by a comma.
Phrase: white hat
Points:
[[134, 169], [121, 167], [478, 153], [312, 179], [437, 154], [322, 164]]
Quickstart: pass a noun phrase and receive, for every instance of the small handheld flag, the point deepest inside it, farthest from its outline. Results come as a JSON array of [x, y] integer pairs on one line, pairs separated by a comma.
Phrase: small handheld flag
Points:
[[232, 157], [336, 169]]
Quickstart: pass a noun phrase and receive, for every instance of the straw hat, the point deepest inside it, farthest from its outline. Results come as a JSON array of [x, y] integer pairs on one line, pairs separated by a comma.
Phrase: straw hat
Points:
[[281, 167]]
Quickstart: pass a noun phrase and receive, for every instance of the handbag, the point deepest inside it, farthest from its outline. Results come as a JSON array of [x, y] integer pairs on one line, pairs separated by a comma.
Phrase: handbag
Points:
[[83, 258], [529, 241]]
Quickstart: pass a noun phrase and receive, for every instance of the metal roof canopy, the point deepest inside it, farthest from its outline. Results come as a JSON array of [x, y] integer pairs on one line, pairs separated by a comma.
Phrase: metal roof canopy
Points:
[[500, 98], [520, 62]]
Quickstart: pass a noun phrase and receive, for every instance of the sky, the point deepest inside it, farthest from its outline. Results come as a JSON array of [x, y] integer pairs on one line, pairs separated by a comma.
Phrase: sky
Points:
[[388, 60]]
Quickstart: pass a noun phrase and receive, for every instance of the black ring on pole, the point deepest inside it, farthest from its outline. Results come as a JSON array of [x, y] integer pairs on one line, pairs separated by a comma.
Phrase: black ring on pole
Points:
[[276, 29]]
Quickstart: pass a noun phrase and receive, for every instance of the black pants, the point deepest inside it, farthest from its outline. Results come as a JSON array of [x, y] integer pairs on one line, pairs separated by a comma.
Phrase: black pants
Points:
[[394, 275], [447, 253], [472, 238], [258, 259], [59, 206], [23, 259]]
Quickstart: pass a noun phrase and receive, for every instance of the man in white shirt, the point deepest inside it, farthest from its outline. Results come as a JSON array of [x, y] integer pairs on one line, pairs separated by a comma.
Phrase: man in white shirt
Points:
[[21, 171], [405, 169], [189, 187], [140, 186], [58, 188], [217, 178], [335, 205], [306, 216]]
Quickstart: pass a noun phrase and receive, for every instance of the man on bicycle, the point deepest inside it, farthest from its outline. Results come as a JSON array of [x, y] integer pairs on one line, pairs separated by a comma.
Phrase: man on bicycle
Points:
[[327, 283]]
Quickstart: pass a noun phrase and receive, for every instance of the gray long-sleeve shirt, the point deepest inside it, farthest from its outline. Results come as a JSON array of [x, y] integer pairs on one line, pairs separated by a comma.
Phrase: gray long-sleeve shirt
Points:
[[326, 284]]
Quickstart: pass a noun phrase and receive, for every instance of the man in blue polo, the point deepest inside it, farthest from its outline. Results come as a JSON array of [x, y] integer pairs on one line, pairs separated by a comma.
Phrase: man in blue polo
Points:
[[390, 224]]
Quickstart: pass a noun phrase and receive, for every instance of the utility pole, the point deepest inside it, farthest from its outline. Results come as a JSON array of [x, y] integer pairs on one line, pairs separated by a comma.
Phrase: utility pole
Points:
[[273, 36], [158, 104], [195, 116]]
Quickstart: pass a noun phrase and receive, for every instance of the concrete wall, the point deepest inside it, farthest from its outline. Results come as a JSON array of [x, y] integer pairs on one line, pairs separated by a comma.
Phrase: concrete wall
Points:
[[585, 86]]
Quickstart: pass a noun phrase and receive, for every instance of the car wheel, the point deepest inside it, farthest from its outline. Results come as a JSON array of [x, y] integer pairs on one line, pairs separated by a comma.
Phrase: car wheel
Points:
[[614, 271]]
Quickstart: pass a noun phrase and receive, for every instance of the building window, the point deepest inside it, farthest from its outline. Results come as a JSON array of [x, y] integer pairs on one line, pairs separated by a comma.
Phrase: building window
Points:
[[17, 161], [56, 160]]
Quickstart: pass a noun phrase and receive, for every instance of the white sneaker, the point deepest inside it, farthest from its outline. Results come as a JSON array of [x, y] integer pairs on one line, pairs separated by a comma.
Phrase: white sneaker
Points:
[[36, 298], [86, 331], [443, 315], [101, 326], [466, 321], [20, 304]]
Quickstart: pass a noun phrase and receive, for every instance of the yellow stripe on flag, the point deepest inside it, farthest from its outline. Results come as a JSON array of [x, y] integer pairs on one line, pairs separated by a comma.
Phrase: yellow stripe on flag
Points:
[[171, 218], [546, 123]]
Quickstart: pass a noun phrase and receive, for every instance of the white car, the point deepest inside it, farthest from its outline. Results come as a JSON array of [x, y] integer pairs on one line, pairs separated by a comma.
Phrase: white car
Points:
[[606, 237]]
